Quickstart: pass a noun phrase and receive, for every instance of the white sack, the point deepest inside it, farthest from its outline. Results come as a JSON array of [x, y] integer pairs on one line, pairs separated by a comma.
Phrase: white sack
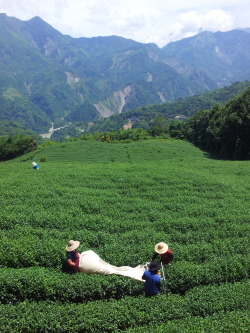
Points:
[[91, 263]]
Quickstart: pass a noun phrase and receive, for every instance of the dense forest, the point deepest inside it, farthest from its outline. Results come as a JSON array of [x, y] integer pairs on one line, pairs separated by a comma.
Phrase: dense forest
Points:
[[16, 145], [224, 131]]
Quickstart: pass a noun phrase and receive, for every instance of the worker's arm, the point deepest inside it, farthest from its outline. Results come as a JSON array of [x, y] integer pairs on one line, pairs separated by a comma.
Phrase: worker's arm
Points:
[[159, 286], [154, 256], [170, 256], [70, 262]]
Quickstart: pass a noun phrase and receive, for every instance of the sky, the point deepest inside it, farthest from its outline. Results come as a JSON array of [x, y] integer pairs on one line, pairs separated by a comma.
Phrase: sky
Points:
[[145, 21]]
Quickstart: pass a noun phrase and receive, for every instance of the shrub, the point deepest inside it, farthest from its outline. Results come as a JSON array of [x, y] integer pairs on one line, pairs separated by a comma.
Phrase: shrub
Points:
[[43, 159]]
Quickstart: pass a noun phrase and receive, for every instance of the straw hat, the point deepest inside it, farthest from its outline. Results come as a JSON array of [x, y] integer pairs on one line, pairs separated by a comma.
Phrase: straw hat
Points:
[[72, 245], [161, 248], [33, 163]]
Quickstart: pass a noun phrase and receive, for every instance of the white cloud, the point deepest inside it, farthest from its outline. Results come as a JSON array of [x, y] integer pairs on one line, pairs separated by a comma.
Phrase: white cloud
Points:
[[190, 23], [217, 19]]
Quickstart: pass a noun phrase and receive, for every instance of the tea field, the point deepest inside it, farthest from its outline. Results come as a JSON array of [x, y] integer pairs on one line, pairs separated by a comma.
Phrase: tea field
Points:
[[119, 200]]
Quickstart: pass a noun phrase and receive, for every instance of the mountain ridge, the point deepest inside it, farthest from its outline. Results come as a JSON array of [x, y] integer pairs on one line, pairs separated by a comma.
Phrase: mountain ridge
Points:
[[214, 54], [50, 77]]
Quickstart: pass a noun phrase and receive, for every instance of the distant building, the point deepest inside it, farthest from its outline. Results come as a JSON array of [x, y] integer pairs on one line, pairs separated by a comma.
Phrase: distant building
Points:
[[180, 117]]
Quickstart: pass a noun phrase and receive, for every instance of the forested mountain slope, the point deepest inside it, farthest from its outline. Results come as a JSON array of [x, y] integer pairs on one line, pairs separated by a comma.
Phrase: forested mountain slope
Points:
[[183, 108], [223, 56], [50, 77]]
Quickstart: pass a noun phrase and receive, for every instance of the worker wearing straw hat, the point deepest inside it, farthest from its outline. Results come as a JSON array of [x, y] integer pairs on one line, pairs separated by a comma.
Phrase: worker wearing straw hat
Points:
[[72, 256], [166, 255], [35, 165]]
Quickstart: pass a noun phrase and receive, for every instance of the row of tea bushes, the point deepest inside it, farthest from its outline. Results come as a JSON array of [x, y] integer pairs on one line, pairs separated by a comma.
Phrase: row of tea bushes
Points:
[[28, 247], [121, 210], [185, 275], [129, 312], [39, 284], [235, 321]]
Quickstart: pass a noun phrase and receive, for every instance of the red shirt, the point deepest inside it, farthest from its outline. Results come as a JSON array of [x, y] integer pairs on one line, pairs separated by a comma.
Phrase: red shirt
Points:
[[166, 257], [74, 256]]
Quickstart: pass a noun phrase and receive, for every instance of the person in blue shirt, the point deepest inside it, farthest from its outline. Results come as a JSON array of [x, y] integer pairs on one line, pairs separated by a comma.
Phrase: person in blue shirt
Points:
[[152, 284], [35, 165]]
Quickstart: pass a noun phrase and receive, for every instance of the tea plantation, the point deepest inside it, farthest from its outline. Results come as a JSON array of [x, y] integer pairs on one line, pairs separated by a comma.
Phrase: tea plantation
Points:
[[120, 200]]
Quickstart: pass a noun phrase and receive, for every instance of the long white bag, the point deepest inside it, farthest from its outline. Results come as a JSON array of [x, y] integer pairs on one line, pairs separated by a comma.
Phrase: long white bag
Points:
[[91, 263]]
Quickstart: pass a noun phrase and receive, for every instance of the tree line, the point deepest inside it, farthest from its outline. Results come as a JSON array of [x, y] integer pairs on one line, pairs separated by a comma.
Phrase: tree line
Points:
[[13, 146], [223, 131]]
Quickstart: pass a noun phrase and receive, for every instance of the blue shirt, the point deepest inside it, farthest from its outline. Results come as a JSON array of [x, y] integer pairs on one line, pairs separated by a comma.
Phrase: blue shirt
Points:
[[72, 255], [152, 283]]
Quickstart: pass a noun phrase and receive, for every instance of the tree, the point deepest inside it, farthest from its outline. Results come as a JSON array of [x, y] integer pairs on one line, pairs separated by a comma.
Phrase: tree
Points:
[[106, 138], [158, 127], [16, 145], [224, 131], [177, 129]]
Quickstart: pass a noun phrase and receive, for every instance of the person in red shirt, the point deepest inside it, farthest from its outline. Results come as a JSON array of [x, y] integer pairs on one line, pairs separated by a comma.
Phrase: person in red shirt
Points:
[[72, 256], [162, 249]]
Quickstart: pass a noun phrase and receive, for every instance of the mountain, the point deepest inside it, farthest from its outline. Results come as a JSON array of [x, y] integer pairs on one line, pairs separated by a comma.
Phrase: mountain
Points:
[[48, 77], [183, 108], [223, 56]]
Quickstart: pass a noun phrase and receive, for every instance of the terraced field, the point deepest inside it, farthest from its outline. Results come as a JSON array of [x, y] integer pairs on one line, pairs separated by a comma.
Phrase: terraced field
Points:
[[119, 200]]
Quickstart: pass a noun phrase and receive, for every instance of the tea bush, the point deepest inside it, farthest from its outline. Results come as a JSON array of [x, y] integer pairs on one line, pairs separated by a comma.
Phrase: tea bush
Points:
[[43, 284], [43, 159], [130, 312], [235, 321], [120, 200]]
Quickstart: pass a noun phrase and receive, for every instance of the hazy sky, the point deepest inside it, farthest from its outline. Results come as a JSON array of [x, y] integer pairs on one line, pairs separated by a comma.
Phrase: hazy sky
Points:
[[146, 21]]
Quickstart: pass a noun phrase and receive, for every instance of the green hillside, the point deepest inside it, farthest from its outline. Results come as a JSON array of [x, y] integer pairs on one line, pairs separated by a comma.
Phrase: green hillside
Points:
[[119, 200]]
